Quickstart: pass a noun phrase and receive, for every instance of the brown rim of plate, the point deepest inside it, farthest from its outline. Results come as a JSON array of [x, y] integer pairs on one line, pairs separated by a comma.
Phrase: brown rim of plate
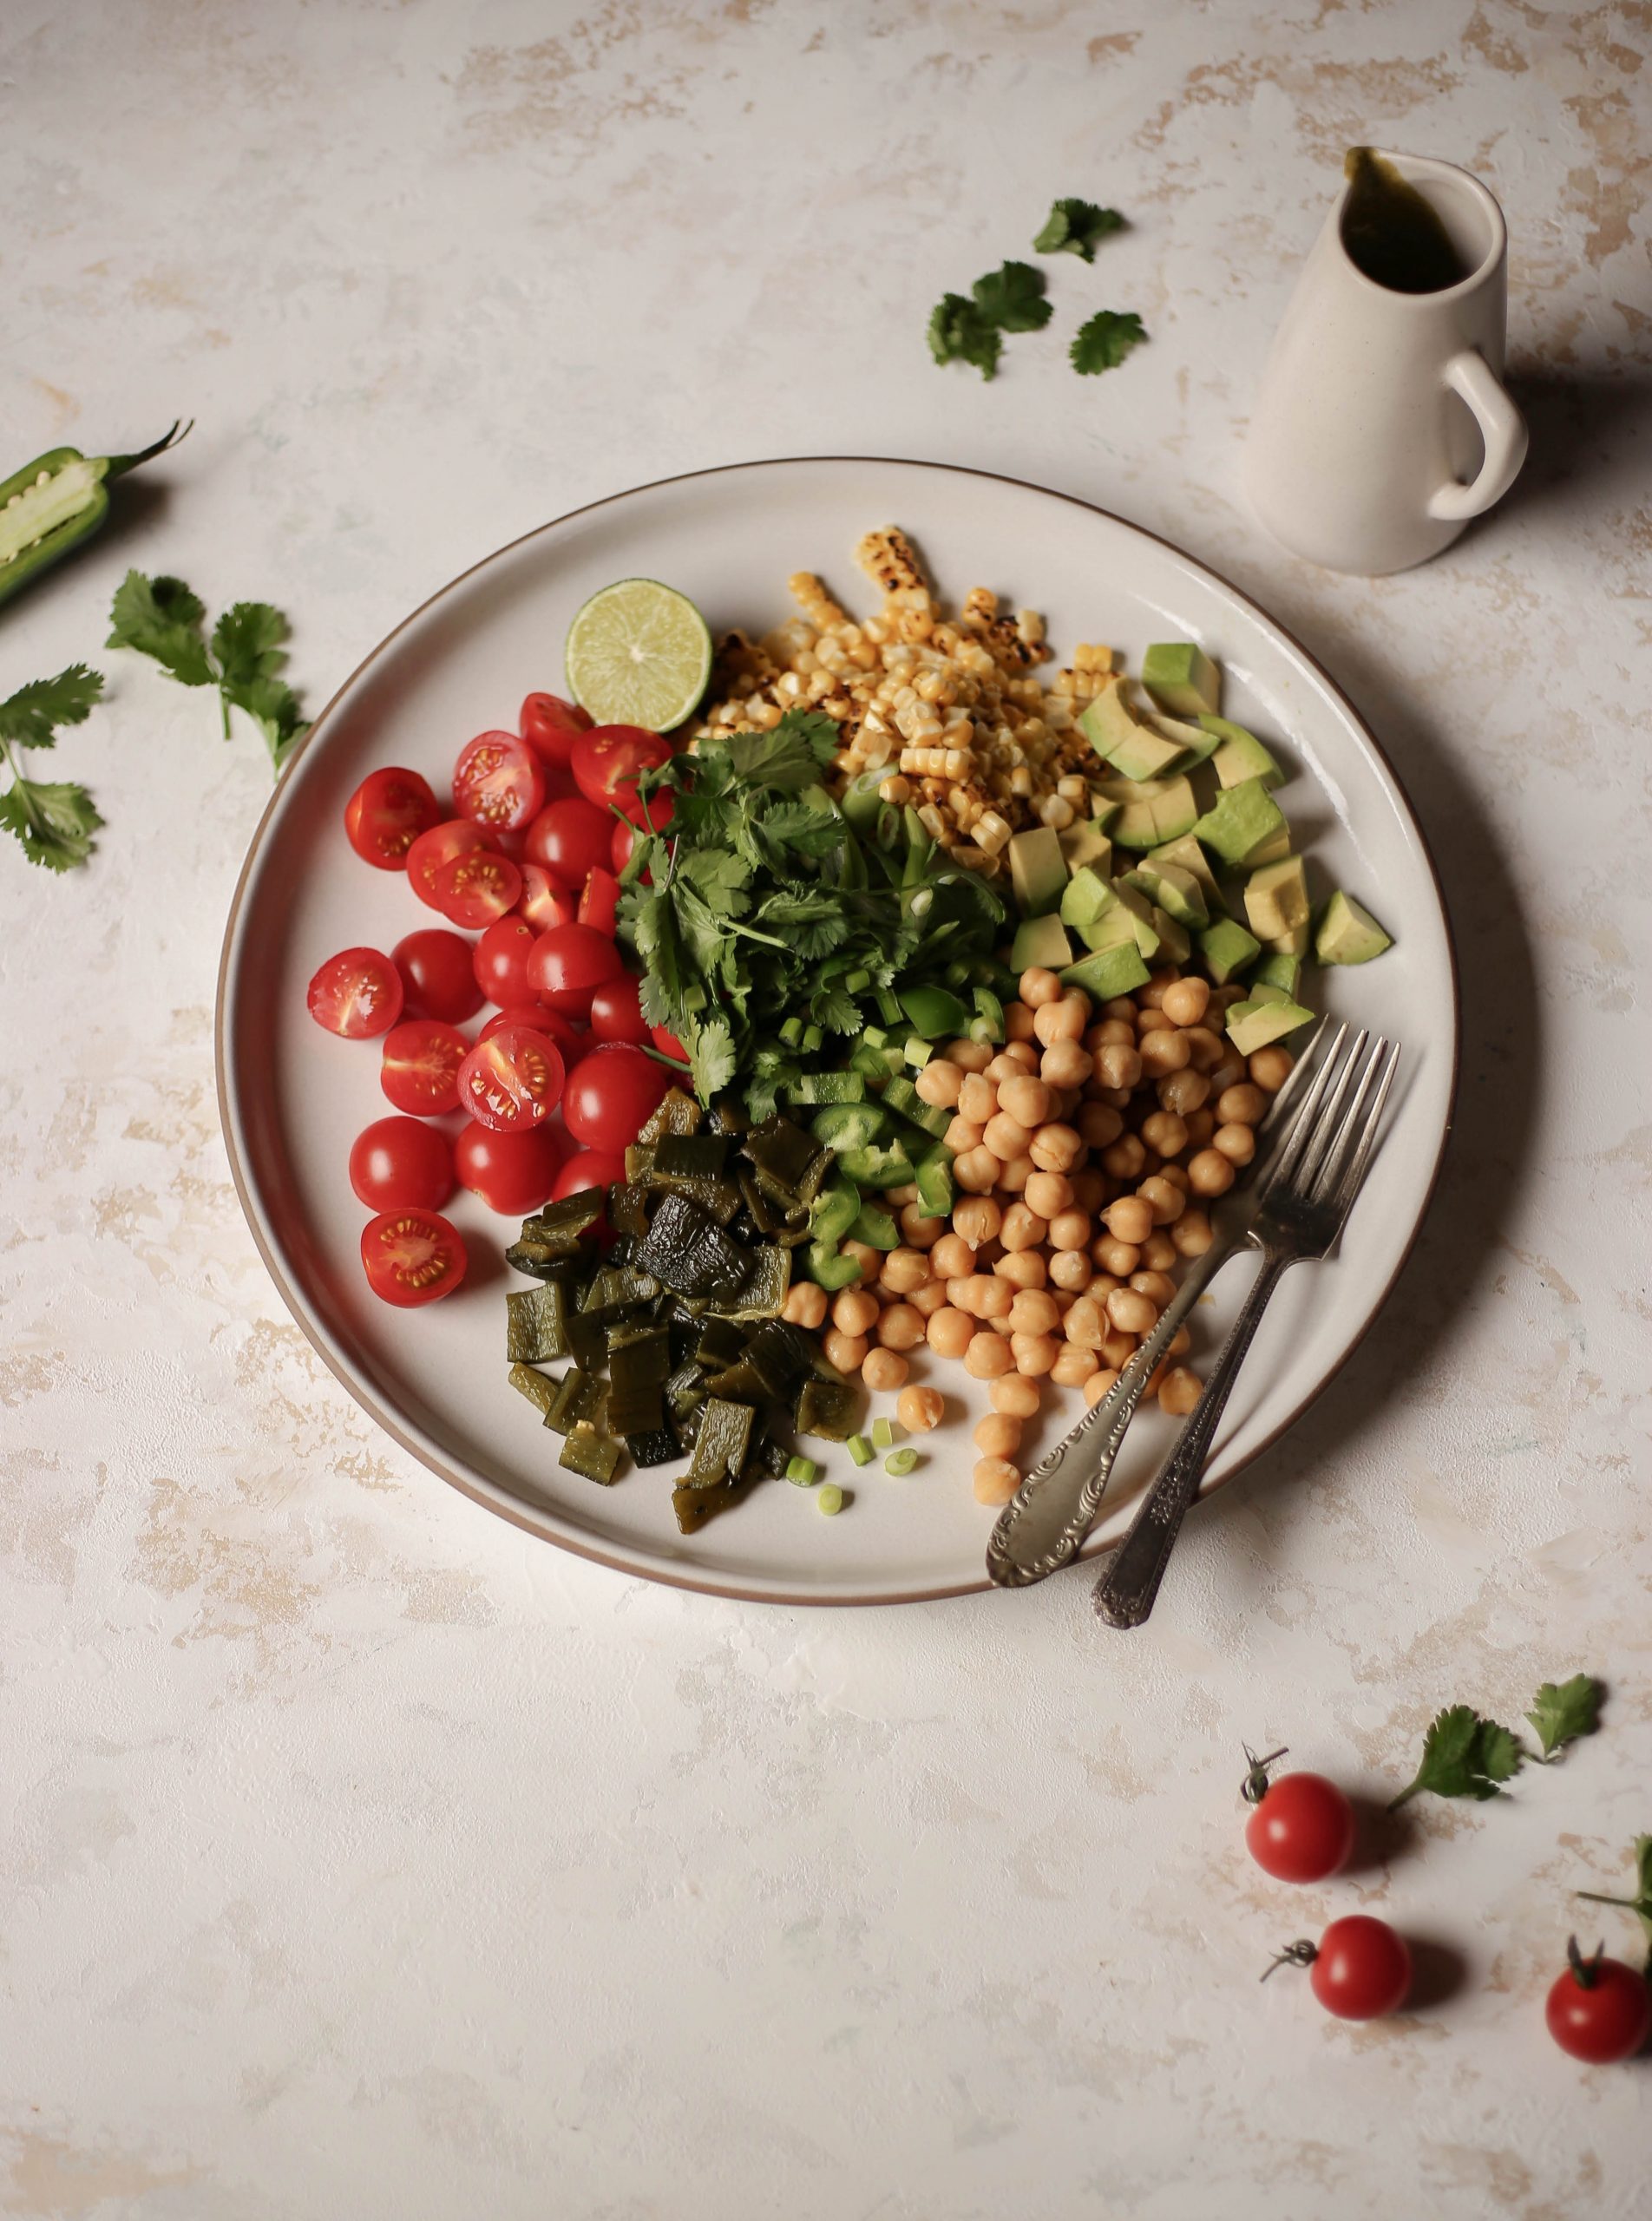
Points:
[[707, 1587]]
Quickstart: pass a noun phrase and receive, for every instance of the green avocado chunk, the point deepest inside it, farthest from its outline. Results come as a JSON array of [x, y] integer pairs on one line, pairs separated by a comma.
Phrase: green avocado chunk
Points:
[[1173, 890], [1108, 972], [1038, 870], [1238, 755], [1241, 820], [1150, 811], [1348, 933], [1252, 1025], [1181, 678], [1226, 949], [1083, 842], [1040, 942], [1277, 899]]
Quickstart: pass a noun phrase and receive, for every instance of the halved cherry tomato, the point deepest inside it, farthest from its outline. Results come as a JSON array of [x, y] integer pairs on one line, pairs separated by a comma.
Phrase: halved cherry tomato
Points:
[[539, 1020], [401, 1163], [357, 993], [477, 887], [599, 903], [500, 960], [625, 840], [420, 1072], [569, 964], [668, 1044], [438, 975], [497, 780], [542, 902], [512, 1080], [591, 1168], [456, 836], [513, 1173], [610, 1094], [606, 763], [412, 1256], [616, 1011], [570, 839], [386, 815], [550, 726]]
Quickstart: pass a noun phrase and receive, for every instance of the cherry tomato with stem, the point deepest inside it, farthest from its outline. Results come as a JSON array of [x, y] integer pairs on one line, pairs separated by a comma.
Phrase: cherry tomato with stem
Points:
[[401, 1163], [513, 1173], [512, 1080], [476, 887], [542, 902], [571, 839], [386, 815], [611, 1094], [552, 726], [420, 1071], [500, 960], [1599, 2010], [357, 994], [599, 903], [438, 975], [616, 1011], [498, 781], [569, 963], [434, 850], [412, 1257], [1360, 1968], [1300, 1827], [606, 763]]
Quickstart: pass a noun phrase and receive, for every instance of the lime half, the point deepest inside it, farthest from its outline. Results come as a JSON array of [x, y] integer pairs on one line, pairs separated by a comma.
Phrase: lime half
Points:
[[638, 653]]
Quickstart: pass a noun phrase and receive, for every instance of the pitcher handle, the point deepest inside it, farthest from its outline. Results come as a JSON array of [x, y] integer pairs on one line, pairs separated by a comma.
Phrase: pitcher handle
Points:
[[1503, 429]]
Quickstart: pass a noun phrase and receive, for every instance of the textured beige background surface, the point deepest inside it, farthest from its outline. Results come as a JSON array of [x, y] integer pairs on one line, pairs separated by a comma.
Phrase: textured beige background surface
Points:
[[362, 1856]]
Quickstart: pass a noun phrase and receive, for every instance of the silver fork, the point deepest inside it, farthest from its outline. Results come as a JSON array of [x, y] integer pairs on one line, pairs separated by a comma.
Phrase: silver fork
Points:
[[1300, 1215]]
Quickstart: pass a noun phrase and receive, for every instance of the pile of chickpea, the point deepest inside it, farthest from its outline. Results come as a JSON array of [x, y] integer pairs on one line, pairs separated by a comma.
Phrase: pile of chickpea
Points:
[[1085, 1149]]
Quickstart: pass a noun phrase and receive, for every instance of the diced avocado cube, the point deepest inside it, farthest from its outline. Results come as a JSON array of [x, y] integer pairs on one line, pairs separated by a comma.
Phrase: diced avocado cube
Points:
[[1175, 945], [1187, 855], [1277, 899], [1113, 927], [1273, 850], [1240, 820], [1238, 755], [1087, 895], [1252, 1025], [1146, 755], [1260, 992], [1041, 943], [1083, 842], [1108, 972], [1348, 933], [1038, 870], [1195, 743], [1150, 811], [1173, 890], [1140, 912], [1108, 721], [1226, 949], [1278, 971], [1295, 943], [1181, 678]]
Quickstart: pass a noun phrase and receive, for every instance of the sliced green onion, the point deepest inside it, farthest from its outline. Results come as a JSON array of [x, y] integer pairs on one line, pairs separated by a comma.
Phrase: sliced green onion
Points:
[[811, 1038], [792, 1032], [803, 1471], [860, 1449], [830, 1499], [900, 1461], [884, 1433]]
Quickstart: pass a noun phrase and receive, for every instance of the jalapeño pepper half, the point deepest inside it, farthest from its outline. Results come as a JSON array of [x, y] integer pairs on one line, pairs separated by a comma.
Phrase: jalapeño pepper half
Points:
[[55, 502]]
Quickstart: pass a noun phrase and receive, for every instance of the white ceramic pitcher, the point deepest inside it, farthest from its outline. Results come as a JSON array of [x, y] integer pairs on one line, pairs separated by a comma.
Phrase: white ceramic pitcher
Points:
[[1382, 424]]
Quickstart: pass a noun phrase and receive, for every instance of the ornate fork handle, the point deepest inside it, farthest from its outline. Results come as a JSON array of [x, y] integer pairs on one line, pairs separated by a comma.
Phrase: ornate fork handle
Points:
[[1124, 1594]]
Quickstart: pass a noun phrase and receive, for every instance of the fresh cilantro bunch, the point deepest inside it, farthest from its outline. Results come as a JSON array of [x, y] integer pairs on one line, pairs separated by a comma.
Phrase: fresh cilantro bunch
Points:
[[55, 821], [1009, 299], [764, 905], [1464, 1755], [162, 618], [1076, 227]]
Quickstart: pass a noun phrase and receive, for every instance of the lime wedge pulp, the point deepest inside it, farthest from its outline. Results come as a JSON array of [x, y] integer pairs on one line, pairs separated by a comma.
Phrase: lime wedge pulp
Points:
[[638, 653]]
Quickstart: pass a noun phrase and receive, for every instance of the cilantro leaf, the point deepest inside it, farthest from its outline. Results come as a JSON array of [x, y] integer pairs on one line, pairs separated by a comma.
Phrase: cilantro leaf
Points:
[[1463, 1756], [1562, 1712], [710, 1057], [960, 333], [1641, 1904], [1013, 297], [246, 641], [29, 716], [162, 618], [1076, 227], [720, 878], [54, 822], [1102, 343], [273, 707]]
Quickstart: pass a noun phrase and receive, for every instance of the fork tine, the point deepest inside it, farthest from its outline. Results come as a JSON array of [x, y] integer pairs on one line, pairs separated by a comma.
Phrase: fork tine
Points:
[[1299, 1071], [1353, 1174], [1329, 1125], [1282, 1169]]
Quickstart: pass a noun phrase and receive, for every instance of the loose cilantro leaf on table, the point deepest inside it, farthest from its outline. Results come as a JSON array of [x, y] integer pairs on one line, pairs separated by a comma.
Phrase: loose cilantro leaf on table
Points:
[[1641, 1904], [55, 821], [162, 618], [1562, 1712], [1011, 297], [1076, 227], [1102, 343], [1465, 1756], [960, 333]]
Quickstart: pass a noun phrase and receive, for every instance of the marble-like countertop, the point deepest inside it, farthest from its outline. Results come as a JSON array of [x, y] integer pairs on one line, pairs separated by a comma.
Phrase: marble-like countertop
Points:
[[363, 1855]]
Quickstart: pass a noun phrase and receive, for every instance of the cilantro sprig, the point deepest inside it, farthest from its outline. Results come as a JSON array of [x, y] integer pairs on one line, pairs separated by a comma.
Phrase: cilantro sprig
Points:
[[761, 904], [1103, 340], [163, 619], [53, 820], [1076, 227], [1009, 299], [1641, 1904], [1464, 1755], [1561, 1712]]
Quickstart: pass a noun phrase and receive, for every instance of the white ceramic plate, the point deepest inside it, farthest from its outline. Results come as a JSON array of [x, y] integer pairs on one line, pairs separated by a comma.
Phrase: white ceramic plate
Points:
[[293, 1097]]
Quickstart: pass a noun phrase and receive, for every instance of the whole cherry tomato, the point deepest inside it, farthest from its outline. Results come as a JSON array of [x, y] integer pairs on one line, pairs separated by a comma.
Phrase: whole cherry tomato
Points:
[[606, 763], [498, 781], [611, 1094], [1300, 1827], [569, 963], [357, 993], [386, 815], [412, 1257], [513, 1173], [1361, 1966], [538, 1017], [551, 726], [438, 975], [668, 1044], [500, 960], [512, 1080], [616, 1011], [591, 1168], [398, 1163], [1599, 2010], [570, 839]]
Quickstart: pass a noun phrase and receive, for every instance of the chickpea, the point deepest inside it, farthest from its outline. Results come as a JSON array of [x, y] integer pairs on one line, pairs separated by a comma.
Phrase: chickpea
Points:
[[988, 1356], [969, 1056], [1069, 1229], [1192, 1234], [1271, 1067], [1131, 1312], [1065, 1063], [1017, 1396], [1210, 1173], [920, 1229], [1089, 1189], [1124, 1161], [1200, 1126], [977, 1098], [1072, 1367], [949, 1333], [976, 1170], [1163, 1198], [1006, 1137], [1099, 1385], [1227, 1073], [1131, 1219], [998, 1435], [951, 1258], [1039, 987], [854, 1311], [1242, 1105], [920, 1409], [1181, 1092], [1062, 1021], [1033, 1311], [900, 1327], [1157, 1287], [995, 1480], [805, 1305], [1085, 1323], [1176, 1174], [884, 1371], [1046, 1193], [1159, 1253], [1162, 1051], [1014, 1176], [1023, 1055], [1180, 1342], [1179, 1392], [1026, 1101], [1237, 1143], [1021, 1269], [1116, 1256], [1121, 1010], [940, 1083], [869, 1260], [1205, 1049], [977, 1220], [928, 1299], [1022, 1228], [898, 1198], [1069, 1271], [1117, 1066], [1183, 1002], [1018, 1023], [961, 1136], [846, 1351], [1117, 1349], [1151, 996], [1100, 1124], [1163, 1130], [1056, 1148]]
